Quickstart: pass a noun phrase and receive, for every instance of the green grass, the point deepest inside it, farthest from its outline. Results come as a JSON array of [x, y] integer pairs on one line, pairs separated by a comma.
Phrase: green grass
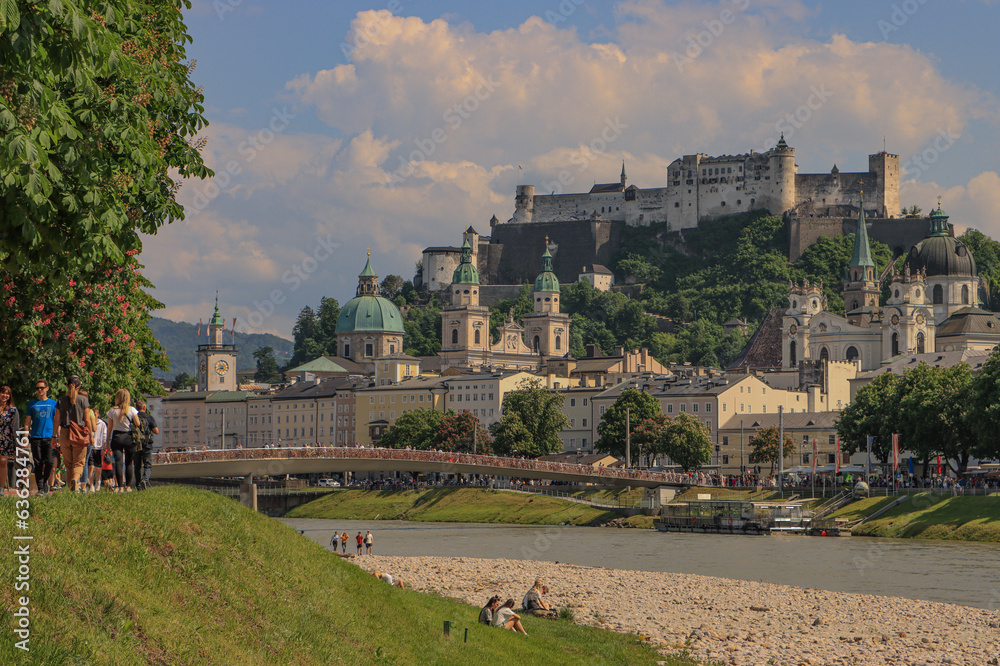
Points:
[[181, 576], [451, 505], [927, 516]]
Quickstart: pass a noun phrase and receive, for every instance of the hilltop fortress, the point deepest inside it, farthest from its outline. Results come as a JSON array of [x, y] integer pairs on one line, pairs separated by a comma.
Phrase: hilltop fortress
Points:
[[700, 187], [584, 229]]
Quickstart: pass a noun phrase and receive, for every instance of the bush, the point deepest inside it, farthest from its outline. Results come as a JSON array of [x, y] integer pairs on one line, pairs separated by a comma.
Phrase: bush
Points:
[[566, 613]]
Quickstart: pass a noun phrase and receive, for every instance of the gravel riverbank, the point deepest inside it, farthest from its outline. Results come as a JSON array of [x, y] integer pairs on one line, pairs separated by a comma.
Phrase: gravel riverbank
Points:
[[730, 621]]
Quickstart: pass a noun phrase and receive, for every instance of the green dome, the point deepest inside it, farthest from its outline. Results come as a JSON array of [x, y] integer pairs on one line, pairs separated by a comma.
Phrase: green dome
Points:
[[370, 313], [940, 253], [466, 272], [547, 280]]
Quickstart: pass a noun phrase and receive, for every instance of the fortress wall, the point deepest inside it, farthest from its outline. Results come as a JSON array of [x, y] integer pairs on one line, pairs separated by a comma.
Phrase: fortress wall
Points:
[[899, 233], [803, 232], [573, 244], [836, 189], [552, 207], [491, 293]]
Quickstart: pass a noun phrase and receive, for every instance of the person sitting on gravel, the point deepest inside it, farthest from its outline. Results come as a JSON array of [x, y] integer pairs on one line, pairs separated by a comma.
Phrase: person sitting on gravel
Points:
[[506, 618], [533, 602], [486, 614]]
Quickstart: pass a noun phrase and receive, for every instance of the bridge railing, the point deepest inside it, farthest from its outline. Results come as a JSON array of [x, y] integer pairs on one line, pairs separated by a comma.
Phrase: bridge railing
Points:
[[443, 457]]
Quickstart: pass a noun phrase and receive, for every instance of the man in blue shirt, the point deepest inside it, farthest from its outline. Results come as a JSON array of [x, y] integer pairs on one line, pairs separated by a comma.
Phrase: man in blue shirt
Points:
[[39, 424]]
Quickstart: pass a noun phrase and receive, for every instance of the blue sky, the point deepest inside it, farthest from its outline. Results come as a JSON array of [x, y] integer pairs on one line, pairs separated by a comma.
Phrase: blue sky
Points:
[[335, 127]]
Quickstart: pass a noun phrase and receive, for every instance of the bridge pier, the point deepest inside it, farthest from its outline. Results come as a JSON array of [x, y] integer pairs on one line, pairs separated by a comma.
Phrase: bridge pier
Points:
[[248, 494]]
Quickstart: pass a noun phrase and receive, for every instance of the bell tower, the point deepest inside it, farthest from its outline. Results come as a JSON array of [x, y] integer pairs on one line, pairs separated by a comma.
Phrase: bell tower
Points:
[[465, 325], [861, 291], [217, 360], [546, 331]]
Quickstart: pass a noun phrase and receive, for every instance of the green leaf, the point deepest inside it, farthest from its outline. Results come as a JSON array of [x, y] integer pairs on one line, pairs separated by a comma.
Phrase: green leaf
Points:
[[10, 17]]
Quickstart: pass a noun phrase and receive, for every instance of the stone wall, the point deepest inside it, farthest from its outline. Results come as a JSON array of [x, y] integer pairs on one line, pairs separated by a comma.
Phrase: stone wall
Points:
[[899, 233], [573, 244]]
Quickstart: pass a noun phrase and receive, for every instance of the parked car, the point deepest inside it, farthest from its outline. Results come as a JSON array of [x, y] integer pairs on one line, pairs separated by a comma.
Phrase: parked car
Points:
[[328, 483]]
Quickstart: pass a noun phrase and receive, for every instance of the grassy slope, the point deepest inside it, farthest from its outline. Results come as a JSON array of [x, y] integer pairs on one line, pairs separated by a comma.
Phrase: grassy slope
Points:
[[931, 517], [180, 576], [451, 505]]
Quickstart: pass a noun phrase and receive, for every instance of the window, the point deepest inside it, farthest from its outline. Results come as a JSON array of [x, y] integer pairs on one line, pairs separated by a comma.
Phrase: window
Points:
[[791, 353], [454, 336], [938, 294], [572, 402], [476, 337], [683, 407], [895, 344], [585, 423], [559, 341], [347, 351], [572, 423], [708, 423], [670, 408], [920, 343], [725, 459], [584, 402], [725, 440], [965, 294], [852, 353], [369, 349], [694, 408]]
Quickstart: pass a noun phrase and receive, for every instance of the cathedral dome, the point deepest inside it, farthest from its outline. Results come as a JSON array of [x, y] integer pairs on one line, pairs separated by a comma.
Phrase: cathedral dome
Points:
[[368, 311], [940, 254]]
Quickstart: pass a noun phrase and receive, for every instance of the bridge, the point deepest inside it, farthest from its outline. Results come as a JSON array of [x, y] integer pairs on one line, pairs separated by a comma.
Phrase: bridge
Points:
[[318, 460]]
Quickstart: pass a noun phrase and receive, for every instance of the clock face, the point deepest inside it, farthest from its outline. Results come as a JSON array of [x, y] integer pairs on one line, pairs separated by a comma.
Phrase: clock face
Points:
[[793, 329], [894, 320], [920, 319], [222, 367]]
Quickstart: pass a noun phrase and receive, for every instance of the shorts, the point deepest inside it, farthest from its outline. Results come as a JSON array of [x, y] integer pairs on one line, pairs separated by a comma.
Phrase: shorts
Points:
[[95, 457], [107, 474]]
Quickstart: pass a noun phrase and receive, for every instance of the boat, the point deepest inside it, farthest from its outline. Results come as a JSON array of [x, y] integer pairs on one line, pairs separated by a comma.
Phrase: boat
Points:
[[745, 517]]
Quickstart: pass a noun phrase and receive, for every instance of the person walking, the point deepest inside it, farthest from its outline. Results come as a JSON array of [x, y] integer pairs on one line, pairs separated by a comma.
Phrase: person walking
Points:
[[368, 543], [361, 541], [91, 419], [10, 423], [38, 422], [97, 452], [343, 542], [73, 431], [144, 458], [121, 419]]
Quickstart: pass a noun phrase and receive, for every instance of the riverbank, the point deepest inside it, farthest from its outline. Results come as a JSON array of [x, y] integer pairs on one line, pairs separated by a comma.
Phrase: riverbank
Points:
[[452, 505], [927, 516], [741, 623], [174, 575]]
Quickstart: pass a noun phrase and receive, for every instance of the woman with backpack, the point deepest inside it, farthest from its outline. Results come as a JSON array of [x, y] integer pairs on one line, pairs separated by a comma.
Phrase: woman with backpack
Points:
[[73, 429], [121, 419]]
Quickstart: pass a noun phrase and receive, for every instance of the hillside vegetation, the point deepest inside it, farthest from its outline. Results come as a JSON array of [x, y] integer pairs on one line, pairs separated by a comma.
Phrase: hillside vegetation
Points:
[[451, 505], [180, 576], [926, 516]]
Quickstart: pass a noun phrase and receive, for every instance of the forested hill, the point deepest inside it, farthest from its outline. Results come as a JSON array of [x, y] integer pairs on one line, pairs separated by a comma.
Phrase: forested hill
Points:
[[180, 341]]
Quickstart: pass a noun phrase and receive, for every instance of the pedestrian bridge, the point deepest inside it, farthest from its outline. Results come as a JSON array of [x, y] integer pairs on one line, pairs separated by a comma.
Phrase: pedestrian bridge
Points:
[[307, 460]]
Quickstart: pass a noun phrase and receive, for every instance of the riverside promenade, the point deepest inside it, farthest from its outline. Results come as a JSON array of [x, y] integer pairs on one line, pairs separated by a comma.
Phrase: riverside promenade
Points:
[[308, 460]]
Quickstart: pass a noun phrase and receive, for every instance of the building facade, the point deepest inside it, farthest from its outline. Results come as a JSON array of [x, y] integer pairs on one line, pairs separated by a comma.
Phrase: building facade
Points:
[[216, 360], [369, 326]]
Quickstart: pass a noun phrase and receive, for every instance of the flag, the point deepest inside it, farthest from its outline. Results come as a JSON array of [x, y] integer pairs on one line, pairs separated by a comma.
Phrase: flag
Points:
[[911, 465], [814, 456], [939, 466], [199, 328], [895, 452], [837, 454], [871, 440], [234, 330]]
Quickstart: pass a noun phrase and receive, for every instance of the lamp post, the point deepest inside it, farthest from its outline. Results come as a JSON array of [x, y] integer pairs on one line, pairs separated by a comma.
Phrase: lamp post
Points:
[[781, 450]]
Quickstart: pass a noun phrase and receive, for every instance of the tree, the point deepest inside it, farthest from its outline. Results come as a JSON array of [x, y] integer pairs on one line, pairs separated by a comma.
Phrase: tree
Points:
[[530, 421], [649, 438], [764, 447], [267, 366], [183, 380], [687, 442], [932, 413], [416, 429], [97, 110], [874, 412], [422, 327], [391, 286], [326, 324], [984, 408], [306, 337], [455, 433], [611, 429], [636, 268]]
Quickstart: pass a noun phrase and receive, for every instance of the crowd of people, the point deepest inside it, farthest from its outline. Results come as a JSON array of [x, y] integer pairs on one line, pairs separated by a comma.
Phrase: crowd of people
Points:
[[503, 616], [364, 543], [72, 447]]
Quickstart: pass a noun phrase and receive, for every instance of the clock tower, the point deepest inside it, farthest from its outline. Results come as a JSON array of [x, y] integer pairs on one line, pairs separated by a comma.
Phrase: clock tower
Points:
[[216, 360]]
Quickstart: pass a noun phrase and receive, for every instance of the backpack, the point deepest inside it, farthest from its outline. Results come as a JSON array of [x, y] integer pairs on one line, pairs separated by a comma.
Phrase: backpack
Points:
[[142, 436]]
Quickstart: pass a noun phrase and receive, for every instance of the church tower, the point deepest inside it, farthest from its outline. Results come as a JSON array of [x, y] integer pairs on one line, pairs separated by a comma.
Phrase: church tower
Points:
[[216, 360], [861, 290], [465, 325], [546, 331]]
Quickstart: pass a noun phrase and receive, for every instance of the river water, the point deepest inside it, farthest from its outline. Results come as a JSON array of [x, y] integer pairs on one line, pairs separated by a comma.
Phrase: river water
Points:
[[951, 572]]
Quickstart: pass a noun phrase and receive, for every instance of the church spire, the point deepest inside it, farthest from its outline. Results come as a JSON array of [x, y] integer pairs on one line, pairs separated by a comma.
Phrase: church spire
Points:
[[368, 279], [862, 255], [217, 317], [624, 177]]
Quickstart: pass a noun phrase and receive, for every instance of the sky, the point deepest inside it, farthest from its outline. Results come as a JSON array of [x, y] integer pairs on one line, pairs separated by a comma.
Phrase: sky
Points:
[[335, 127]]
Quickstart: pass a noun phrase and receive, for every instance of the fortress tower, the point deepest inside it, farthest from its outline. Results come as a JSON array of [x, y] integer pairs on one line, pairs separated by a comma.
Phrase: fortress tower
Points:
[[524, 204], [782, 189], [885, 166]]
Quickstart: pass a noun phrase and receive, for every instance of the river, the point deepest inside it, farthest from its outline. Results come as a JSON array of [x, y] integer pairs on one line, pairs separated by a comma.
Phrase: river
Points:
[[948, 571]]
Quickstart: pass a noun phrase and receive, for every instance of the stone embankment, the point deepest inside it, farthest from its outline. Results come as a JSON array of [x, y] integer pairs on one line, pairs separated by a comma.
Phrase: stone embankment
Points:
[[733, 622]]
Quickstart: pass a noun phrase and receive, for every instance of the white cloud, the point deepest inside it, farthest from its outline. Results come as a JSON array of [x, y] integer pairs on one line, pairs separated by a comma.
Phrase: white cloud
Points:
[[974, 204]]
